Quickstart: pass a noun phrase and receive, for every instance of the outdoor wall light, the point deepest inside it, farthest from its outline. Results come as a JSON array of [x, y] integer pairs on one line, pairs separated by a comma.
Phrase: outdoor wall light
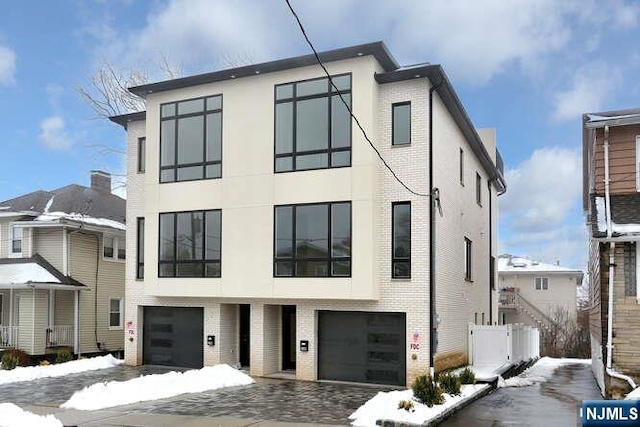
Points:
[[211, 340]]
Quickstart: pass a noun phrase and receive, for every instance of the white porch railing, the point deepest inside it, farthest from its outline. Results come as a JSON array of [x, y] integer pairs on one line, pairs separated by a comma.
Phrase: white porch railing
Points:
[[8, 336], [60, 335], [500, 344]]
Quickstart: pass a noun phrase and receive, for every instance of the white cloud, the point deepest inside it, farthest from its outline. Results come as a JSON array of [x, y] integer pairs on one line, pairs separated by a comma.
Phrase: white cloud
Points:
[[591, 86], [53, 133], [7, 65]]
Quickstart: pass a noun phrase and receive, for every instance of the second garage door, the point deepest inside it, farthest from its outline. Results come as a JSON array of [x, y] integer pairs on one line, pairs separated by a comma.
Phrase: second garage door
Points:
[[363, 347], [173, 336]]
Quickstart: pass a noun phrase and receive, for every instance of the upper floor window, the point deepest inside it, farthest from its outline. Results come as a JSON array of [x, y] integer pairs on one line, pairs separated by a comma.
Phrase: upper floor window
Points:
[[401, 123], [113, 248], [190, 244], [312, 124], [191, 139], [401, 238], [461, 167], [478, 189], [16, 240], [541, 283], [142, 152], [313, 240], [140, 249], [468, 262]]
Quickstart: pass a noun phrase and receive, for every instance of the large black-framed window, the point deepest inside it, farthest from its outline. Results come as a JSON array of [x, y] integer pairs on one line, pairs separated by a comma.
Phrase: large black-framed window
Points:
[[140, 248], [401, 240], [401, 123], [191, 139], [312, 125], [468, 262], [142, 152], [312, 240], [190, 244]]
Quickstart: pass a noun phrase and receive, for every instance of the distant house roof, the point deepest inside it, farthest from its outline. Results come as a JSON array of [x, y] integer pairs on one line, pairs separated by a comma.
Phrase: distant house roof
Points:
[[73, 202], [36, 272], [514, 264], [625, 215]]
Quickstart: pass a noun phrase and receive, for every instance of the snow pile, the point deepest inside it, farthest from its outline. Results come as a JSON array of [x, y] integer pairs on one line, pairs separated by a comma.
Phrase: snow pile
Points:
[[540, 372], [152, 387], [28, 373], [14, 416], [384, 406], [634, 395]]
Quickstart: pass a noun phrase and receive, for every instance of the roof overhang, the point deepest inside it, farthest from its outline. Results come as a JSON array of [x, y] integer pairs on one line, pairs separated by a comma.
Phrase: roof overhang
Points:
[[34, 272], [69, 223], [43, 285], [124, 119]]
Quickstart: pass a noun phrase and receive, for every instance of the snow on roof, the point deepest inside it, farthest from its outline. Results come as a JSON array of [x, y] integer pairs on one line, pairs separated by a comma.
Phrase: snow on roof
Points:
[[101, 222], [512, 263], [599, 118], [20, 273]]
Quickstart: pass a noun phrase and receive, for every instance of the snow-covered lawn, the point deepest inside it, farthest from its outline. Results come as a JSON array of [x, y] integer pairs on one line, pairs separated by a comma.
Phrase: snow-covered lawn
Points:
[[384, 406], [634, 395], [152, 387], [14, 416], [28, 373], [540, 372]]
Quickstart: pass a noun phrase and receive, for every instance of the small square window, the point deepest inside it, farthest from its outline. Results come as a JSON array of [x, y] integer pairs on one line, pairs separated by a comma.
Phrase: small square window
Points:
[[542, 283]]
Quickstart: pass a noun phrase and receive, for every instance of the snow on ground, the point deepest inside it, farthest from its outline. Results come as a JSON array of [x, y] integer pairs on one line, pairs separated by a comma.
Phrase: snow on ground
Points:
[[153, 387], [28, 373], [540, 372], [634, 395], [14, 416], [384, 406]]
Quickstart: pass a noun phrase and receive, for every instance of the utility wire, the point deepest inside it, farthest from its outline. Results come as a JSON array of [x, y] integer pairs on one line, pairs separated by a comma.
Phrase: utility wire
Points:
[[353, 117]]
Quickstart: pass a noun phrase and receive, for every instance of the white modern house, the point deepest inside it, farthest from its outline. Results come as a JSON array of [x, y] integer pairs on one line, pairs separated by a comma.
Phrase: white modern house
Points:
[[268, 233], [531, 291]]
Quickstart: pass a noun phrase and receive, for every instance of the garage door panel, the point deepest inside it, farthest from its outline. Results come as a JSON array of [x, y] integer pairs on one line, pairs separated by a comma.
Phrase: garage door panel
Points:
[[362, 347], [173, 336]]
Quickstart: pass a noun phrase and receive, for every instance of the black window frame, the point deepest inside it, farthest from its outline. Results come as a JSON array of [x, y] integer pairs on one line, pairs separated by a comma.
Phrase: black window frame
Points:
[[294, 99], [468, 259], [175, 262], [294, 258], [461, 167], [140, 248], [393, 124], [395, 259], [142, 152], [478, 189], [176, 116]]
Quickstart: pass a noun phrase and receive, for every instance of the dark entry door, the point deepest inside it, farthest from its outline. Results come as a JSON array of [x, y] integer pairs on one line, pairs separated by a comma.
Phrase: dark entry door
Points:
[[365, 347], [245, 334], [173, 336], [288, 337]]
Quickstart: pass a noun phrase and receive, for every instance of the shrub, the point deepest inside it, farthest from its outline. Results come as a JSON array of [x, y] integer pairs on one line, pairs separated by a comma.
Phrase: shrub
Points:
[[9, 362], [23, 358], [407, 405], [63, 356], [467, 376], [427, 391], [450, 383]]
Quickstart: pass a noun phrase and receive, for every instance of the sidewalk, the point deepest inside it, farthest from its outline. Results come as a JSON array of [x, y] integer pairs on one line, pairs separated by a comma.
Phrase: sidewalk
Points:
[[73, 417]]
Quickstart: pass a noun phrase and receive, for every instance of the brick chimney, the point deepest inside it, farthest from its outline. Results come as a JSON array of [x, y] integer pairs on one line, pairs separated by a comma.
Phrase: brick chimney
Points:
[[101, 181]]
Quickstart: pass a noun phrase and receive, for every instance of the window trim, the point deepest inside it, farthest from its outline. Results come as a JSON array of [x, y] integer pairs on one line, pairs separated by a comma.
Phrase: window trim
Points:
[[461, 167], [468, 259], [294, 99], [117, 241], [544, 280], [121, 313], [140, 253], [478, 189], [12, 253], [177, 116], [393, 232], [142, 152], [175, 261], [393, 124], [328, 260]]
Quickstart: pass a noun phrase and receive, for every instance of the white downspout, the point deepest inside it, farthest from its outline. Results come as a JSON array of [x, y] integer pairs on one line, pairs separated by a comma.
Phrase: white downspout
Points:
[[612, 249], [65, 252], [76, 322]]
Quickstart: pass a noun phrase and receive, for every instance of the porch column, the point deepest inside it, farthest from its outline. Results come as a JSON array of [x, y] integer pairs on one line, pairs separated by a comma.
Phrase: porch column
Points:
[[76, 320], [51, 308]]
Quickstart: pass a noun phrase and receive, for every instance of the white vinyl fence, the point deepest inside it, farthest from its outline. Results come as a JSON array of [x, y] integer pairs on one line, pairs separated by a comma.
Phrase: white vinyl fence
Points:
[[501, 344]]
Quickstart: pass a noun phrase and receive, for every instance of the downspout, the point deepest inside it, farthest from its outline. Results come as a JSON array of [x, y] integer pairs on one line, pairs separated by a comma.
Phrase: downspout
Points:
[[612, 249], [491, 272]]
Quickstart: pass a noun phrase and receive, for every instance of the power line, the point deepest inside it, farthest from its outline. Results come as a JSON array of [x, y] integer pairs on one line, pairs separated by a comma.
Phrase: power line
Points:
[[353, 117]]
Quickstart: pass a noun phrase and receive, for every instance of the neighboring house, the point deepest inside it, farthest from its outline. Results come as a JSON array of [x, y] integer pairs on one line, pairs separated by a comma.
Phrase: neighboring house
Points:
[[535, 293], [62, 261], [269, 234], [611, 200]]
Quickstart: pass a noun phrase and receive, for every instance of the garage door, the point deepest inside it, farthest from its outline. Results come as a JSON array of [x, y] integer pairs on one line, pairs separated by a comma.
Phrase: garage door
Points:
[[362, 347], [173, 336]]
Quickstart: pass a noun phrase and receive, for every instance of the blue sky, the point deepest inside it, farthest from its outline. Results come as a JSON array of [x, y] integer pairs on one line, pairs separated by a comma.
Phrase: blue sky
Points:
[[527, 68]]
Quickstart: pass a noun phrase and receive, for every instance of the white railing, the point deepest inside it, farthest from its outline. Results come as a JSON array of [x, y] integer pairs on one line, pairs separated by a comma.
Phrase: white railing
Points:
[[8, 336], [60, 335], [501, 344]]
